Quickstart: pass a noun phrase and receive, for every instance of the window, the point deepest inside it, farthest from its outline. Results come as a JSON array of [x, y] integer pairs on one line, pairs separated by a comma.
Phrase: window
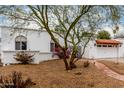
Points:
[[104, 45], [98, 45], [52, 47], [110, 46], [20, 43], [116, 45], [0, 39]]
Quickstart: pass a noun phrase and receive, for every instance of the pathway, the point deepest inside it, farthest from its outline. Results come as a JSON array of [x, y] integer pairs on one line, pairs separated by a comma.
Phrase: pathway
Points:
[[108, 71]]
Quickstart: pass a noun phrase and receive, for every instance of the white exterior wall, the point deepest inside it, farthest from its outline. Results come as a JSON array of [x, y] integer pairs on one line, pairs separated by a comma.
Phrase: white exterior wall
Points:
[[103, 52], [37, 42], [106, 52], [121, 49], [8, 56], [90, 51], [111, 52]]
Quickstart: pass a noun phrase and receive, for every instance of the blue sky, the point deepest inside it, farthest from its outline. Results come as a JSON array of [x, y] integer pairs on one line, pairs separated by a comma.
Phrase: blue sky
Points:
[[3, 21]]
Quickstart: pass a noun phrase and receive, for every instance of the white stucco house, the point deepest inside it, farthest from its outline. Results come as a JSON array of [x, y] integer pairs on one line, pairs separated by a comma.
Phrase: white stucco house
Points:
[[30, 40], [105, 49], [40, 44]]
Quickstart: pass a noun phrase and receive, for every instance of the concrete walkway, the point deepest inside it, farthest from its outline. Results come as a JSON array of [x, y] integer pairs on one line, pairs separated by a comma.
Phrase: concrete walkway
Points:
[[108, 71]]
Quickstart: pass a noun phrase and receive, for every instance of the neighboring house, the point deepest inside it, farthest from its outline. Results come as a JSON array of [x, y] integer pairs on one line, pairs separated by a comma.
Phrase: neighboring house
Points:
[[39, 43], [105, 49]]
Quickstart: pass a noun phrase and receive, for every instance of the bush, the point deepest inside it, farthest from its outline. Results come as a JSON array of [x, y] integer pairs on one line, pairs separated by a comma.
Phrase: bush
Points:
[[15, 81], [23, 57], [86, 63]]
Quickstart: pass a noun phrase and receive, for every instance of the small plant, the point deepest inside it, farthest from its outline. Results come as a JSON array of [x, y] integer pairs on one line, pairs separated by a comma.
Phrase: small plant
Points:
[[78, 73], [15, 81], [23, 57], [86, 63]]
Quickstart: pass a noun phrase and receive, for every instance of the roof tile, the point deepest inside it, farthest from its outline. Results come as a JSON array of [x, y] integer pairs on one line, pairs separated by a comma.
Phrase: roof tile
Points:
[[108, 42]]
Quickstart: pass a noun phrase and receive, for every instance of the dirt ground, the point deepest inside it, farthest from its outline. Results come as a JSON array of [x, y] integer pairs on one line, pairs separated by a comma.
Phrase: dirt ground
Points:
[[115, 60], [51, 74], [112, 64]]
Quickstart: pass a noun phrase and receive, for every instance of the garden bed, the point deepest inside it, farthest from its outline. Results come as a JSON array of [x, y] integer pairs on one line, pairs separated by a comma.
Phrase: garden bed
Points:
[[51, 74]]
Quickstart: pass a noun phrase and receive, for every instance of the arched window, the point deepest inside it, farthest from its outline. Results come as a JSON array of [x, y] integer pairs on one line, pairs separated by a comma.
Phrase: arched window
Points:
[[20, 43]]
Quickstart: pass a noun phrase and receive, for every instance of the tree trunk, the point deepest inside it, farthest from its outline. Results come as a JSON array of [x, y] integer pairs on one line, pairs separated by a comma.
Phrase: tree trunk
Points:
[[71, 62], [69, 65], [66, 64], [72, 65], [65, 60]]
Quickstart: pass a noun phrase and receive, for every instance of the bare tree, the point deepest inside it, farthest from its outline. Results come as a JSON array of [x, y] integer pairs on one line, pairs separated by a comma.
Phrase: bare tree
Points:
[[75, 25]]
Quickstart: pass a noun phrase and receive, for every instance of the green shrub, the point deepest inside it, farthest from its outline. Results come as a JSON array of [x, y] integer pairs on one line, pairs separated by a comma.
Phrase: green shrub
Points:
[[15, 81], [23, 57]]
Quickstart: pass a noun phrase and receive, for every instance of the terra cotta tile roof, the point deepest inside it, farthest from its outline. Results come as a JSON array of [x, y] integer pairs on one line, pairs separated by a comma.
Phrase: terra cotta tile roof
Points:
[[108, 42]]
